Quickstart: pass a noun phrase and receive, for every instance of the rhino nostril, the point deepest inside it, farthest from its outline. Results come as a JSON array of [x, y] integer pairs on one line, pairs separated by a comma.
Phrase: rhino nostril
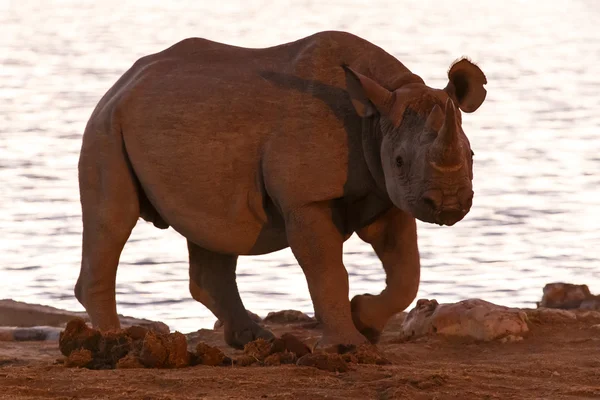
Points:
[[433, 199], [429, 202]]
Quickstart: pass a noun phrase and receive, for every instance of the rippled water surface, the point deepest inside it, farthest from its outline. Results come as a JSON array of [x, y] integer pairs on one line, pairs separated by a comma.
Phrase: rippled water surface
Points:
[[536, 213]]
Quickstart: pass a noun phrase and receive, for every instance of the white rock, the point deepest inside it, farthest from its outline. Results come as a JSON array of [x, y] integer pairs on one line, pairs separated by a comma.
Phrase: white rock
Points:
[[588, 315], [474, 318], [551, 314]]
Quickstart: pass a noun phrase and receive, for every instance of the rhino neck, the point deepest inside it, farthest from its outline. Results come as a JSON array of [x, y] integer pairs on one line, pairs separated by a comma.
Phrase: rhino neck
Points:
[[371, 147]]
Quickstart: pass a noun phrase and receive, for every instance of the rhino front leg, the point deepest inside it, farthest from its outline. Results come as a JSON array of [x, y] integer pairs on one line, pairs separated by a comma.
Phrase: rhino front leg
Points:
[[394, 239], [317, 245], [212, 283]]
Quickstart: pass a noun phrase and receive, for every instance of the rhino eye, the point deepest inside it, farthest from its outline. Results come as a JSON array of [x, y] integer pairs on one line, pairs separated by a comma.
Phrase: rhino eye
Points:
[[472, 154], [399, 161]]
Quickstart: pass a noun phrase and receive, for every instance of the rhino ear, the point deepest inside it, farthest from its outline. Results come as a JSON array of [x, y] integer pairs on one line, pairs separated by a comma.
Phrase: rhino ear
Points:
[[465, 85], [367, 96]]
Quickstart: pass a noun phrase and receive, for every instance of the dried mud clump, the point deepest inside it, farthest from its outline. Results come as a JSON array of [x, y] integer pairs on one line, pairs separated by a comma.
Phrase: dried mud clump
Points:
[[245, 360], [285, 357], [138, 347], [76, 336], [326, 361], [284, 350], [134, 347], [259, 349], [79, 358], [177, 354], [369, 354], [290, 343], [207, 355], [128, 362], [153, 353]]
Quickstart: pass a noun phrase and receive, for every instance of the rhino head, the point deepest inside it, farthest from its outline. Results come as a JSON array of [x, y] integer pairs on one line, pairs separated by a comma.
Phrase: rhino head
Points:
[[415, 146]]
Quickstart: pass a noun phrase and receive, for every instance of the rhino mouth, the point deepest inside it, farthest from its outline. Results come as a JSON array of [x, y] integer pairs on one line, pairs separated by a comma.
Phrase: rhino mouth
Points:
[[441, 217]]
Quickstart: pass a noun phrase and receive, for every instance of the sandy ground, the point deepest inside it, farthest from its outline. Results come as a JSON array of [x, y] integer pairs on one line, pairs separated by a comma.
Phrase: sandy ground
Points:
[[557, 360]]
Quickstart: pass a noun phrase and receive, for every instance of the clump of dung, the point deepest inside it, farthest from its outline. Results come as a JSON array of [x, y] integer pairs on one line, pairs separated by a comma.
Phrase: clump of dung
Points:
[[208, 355], [138, 347], [134, 347]]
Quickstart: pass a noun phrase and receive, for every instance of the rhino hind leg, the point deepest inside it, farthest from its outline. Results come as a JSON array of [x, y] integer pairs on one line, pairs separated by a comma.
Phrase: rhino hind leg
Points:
[[110, 210], [212, 283]]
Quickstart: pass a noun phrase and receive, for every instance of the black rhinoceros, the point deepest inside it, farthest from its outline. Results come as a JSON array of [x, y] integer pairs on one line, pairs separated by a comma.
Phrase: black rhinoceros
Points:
[[247, 151]]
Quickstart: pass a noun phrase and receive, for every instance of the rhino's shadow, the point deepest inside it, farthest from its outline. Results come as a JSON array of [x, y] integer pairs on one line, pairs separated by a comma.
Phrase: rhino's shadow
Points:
[[338, 101]]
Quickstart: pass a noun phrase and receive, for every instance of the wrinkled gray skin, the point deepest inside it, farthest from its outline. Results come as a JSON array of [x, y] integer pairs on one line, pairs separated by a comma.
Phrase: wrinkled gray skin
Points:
[[248, 151]]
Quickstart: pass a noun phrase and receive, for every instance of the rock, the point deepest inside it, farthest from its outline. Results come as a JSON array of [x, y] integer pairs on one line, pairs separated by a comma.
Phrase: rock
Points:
[[564, 295], [473, 318], [550, 315], [29, 334], [287, 316], [254, 317], [588, 315], [325, 361], [591, 303], [20, 314], [511, 339], [208, 355]]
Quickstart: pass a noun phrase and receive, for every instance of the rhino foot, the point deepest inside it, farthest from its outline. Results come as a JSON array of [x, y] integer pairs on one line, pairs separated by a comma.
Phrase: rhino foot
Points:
[[239, 337], [366, 321]]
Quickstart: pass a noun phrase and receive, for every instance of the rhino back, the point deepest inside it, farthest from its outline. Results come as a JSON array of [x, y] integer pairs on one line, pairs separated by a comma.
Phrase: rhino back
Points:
[[222, 138]]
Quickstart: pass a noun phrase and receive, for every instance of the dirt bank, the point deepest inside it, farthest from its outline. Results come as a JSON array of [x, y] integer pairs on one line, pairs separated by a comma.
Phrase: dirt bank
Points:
[[559, 358]]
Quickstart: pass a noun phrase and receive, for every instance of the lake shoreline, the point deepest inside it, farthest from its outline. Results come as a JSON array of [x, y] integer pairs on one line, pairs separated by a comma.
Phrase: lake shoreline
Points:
[[557, 358]]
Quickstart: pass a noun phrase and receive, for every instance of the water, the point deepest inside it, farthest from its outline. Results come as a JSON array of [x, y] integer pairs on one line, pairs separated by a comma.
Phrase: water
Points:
[[536, 211]]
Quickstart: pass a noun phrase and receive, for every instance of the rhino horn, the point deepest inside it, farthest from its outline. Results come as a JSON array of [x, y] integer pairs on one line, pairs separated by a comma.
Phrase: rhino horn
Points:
[[446, 149]]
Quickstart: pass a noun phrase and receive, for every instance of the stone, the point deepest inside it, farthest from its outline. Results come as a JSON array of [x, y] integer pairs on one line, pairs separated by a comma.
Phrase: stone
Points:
[[588, 315], [511, 339], [20, 314], [473, 318], [591, 303], [550, 315], [564, 295], [287, 316]]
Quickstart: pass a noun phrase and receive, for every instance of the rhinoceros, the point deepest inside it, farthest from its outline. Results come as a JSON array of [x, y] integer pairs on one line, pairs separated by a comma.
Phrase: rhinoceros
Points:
[[246, 151]]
